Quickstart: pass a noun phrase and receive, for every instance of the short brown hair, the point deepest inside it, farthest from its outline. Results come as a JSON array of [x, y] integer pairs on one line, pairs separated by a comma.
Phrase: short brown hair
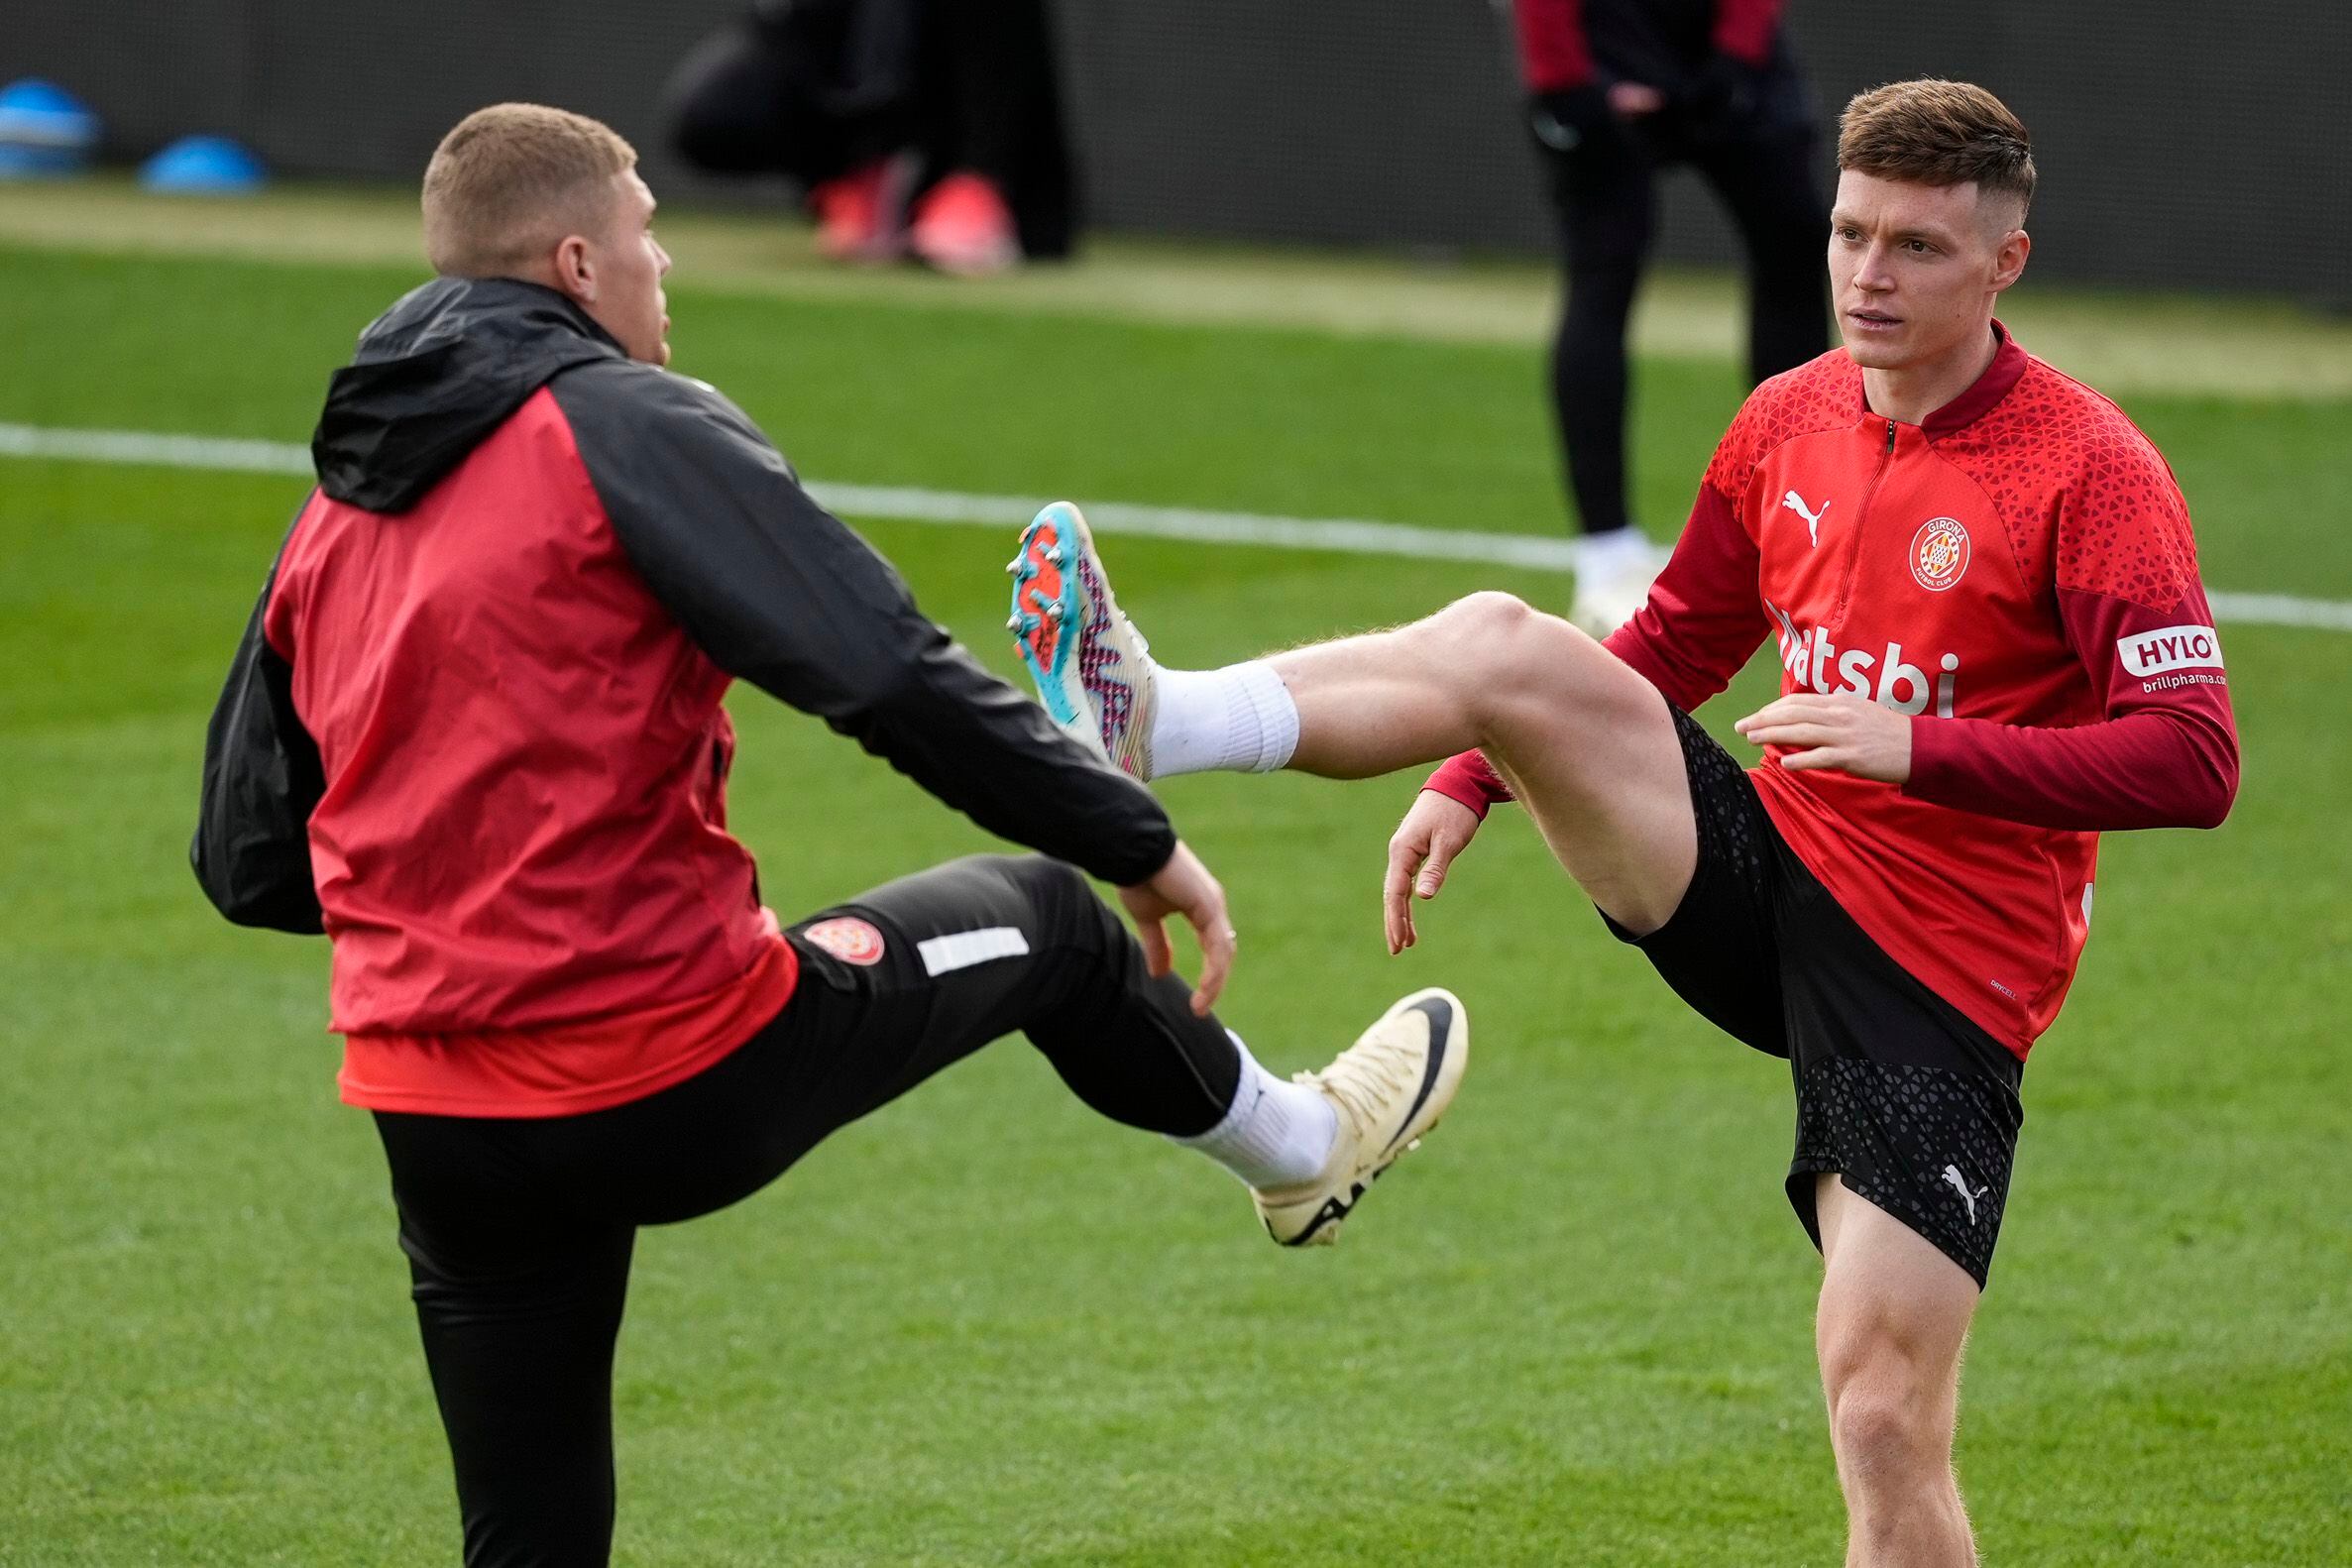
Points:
[[511, 181], [1930, 132]]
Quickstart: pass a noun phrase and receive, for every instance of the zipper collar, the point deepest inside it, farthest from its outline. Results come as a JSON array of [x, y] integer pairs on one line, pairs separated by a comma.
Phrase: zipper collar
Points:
[[2008, 367]]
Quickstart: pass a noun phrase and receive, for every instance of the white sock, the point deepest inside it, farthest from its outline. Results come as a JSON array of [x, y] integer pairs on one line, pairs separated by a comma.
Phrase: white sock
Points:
[[1237, 720], [1275, 1134]]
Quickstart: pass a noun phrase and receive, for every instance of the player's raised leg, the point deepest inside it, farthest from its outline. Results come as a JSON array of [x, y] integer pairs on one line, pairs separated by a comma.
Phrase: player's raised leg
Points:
[[1894, 1315], [1586, 745], [941, 963]]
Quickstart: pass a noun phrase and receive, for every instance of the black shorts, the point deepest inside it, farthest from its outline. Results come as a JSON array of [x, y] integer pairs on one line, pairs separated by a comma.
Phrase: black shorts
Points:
[[1899, 1091]]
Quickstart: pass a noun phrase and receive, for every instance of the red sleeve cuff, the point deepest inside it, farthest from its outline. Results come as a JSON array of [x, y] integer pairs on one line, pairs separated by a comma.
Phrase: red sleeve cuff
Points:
[[1936, 770], [1468, 779]]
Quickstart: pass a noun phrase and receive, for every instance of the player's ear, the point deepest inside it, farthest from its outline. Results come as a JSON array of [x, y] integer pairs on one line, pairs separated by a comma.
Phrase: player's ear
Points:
[[2008, 258], [575, 270]]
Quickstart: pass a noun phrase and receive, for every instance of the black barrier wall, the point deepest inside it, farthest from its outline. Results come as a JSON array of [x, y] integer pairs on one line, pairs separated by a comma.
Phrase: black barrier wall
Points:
[[2182, 143]]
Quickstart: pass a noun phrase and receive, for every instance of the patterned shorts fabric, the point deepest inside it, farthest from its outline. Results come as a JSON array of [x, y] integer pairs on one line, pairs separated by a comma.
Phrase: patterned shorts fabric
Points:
[[1897, 1091]]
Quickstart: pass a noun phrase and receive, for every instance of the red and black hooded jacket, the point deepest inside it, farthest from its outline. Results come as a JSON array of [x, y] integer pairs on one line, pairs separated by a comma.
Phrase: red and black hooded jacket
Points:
[[474, 732]]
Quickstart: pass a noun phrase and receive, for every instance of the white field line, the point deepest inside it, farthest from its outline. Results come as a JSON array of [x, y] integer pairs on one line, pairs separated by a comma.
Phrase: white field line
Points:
[[1346, 535]]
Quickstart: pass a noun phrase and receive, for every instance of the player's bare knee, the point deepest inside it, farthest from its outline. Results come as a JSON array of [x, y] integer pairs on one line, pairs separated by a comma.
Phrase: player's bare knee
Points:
[[1478, 633], [1888, 1435], [1498, 643], [1519, 667], [1889, 1418]]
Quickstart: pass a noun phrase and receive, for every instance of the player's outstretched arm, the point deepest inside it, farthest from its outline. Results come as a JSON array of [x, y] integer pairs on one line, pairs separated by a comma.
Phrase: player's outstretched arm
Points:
[[1437, 829], [778, 591], [1184, 887]]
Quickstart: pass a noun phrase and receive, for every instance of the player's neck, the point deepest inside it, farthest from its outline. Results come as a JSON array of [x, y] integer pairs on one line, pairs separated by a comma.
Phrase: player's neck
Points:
[[1908, 395]]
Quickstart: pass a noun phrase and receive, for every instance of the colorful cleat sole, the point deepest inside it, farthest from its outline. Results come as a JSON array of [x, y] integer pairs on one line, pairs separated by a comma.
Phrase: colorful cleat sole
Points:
[[1047, 609], [1092, 669]]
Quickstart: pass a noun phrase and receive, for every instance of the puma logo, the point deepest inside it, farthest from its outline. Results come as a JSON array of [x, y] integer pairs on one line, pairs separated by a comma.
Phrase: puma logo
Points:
[[1796, 504], [1951, 1176]]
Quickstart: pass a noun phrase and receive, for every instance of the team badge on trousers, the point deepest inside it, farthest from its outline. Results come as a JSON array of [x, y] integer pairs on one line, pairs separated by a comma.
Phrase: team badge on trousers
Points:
[[848, 939]]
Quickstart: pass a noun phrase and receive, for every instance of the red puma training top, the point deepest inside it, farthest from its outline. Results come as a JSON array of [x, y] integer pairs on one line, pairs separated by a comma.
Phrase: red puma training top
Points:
[[2016, 573]]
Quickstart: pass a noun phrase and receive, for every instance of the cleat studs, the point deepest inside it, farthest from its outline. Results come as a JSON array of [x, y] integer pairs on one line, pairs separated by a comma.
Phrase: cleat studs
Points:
[[1054, 612], [1012, 623], [1058, 555]]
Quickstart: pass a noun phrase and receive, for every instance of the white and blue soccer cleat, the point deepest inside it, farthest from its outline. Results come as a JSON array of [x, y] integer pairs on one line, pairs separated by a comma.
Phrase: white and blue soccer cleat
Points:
[[1387, 1089], [1093, 670]]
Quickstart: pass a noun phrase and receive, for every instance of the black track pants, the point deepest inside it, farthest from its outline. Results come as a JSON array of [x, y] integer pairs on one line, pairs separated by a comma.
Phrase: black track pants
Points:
[[519, 1232], [1606, 194]]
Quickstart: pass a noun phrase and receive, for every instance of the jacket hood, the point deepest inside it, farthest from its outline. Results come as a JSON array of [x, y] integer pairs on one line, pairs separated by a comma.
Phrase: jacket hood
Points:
[[434, 375]]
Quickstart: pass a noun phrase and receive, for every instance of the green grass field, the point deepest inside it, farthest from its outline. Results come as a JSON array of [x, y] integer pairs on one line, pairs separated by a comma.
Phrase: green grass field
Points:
[[983, 1327]]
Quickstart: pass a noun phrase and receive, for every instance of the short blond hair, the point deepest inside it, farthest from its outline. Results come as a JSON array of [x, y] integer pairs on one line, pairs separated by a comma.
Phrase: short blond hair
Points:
[[1932, 131], [511, 181]]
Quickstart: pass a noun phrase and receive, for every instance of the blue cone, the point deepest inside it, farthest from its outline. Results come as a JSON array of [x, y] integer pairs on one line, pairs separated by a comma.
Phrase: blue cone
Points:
[[203, 166], [44, 129]]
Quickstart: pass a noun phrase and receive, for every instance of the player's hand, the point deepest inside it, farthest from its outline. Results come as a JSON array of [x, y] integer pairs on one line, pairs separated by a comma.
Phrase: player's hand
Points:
[[1437, 828], [1632, 100], [1843, 734], [1184, 887]]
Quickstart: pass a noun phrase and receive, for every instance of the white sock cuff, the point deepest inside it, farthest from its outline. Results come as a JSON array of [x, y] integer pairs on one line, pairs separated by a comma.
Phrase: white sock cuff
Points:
[[1274, 717], [1274, 1133], [1235, 720], [1246, 1091]]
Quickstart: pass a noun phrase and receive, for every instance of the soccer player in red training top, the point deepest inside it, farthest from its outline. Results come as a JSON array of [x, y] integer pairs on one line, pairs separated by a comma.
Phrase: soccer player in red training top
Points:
[[1994, 645], [474, 734]]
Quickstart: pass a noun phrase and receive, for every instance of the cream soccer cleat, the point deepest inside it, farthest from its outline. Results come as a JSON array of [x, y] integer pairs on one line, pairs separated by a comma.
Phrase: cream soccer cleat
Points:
[[1093, 670], [1389, 1087]]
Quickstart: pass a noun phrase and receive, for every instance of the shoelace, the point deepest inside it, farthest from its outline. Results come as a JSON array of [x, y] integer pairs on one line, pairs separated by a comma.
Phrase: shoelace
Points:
[[1388, 1065]]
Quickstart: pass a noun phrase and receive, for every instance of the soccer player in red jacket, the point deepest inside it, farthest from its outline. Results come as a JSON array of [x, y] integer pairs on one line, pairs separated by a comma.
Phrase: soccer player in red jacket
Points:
[[474, 734], [1995, 644]]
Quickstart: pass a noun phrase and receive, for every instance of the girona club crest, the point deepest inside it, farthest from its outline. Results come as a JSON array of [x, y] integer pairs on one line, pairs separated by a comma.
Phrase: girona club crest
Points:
[[1939, 553], [848, 939]]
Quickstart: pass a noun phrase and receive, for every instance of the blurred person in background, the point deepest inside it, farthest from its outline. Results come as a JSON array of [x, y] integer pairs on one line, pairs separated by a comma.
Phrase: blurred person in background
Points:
[[930, 128], [1619, 91]]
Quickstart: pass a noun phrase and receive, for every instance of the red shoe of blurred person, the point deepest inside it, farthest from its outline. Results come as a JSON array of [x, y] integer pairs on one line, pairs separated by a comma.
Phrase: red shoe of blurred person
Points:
[[860, 216], [963, 226]]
